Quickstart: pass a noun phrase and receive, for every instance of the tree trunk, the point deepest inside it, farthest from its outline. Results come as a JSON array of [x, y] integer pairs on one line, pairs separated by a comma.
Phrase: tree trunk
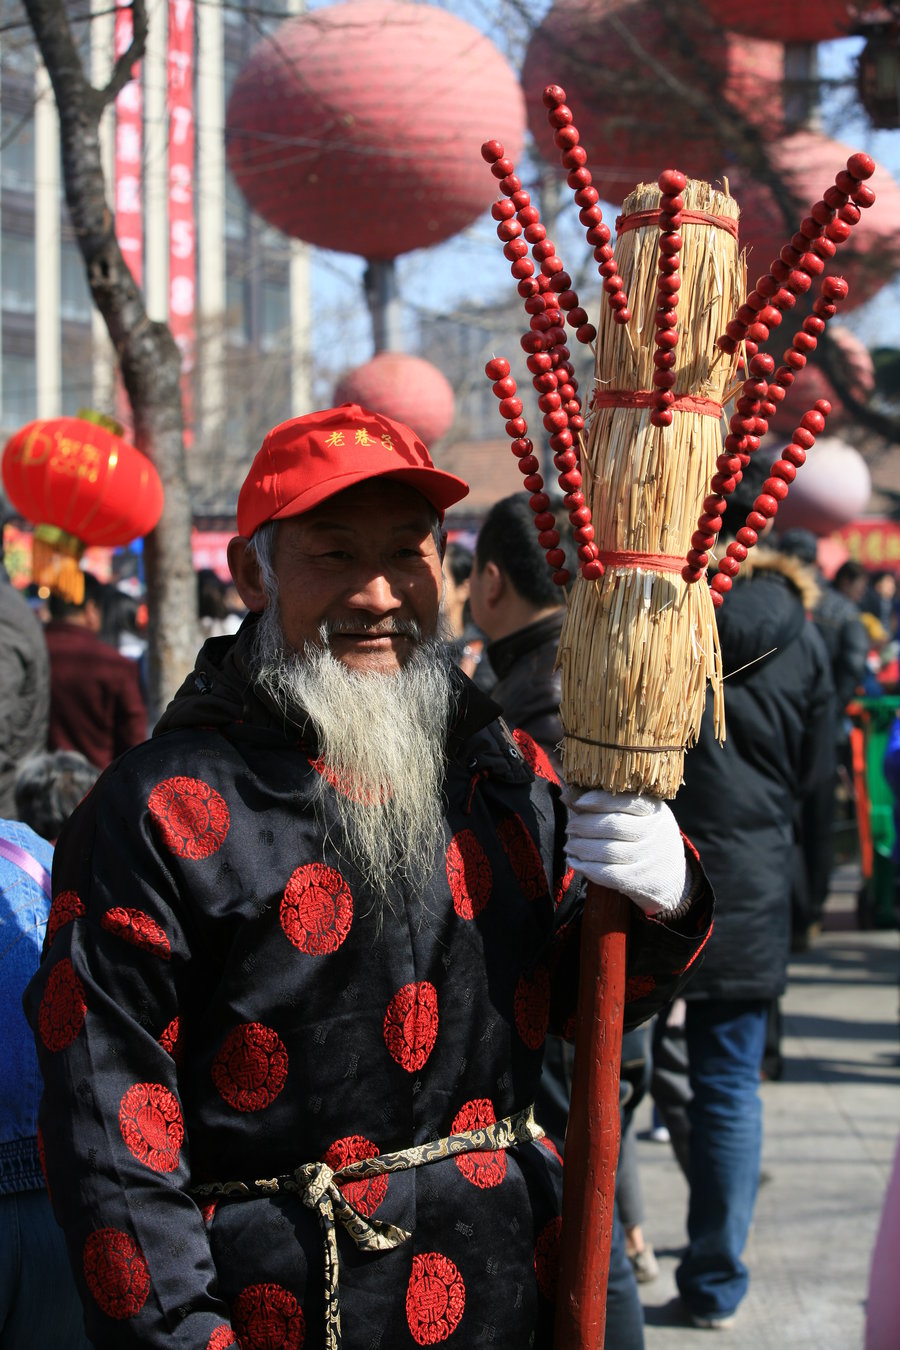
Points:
[[146, 352]]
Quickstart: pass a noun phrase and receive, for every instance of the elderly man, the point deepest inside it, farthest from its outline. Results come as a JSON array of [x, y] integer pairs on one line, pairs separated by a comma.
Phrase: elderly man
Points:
[[306, 945]]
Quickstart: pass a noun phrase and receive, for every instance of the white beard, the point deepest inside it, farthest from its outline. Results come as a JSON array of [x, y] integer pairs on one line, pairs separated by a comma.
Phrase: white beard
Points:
[[381, 742]]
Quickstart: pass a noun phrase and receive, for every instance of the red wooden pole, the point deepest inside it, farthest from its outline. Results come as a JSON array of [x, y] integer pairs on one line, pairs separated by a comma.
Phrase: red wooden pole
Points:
[[592, 1137]]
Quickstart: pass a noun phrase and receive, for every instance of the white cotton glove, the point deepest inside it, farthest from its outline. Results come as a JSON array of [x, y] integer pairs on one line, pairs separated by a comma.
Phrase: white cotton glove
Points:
[[630, 844]]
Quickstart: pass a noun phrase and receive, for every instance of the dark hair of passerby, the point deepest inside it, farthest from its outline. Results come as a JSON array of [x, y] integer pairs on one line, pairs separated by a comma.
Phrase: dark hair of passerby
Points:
[[48, 787], [211, 595], [851, 577], [740, 503], [458, 561], [509, 540], [94, 594]]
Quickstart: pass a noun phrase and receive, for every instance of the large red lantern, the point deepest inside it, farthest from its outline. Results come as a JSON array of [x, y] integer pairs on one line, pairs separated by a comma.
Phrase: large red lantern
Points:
[[80, 484], [780, 22], [357, 126], [631, 85], [410, 390], [806, 162]]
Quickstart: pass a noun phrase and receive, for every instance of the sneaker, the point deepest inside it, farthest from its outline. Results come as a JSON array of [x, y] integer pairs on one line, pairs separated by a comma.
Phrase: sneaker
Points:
[[659, 1135], [707, 1322], [644, 1265]]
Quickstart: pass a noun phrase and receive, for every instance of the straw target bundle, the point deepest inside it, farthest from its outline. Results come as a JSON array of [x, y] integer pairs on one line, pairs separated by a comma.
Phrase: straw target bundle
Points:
[[639, 643], [639, 647]]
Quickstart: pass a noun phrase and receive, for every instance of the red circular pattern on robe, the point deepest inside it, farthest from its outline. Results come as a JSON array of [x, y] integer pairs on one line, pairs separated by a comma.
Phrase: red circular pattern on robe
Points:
[[559, 891], [366, 1194], [191, 816], [435, 1298], [639, 986], [62, 1008], [136, 927], [469, 874], [251, 1067], [411, 1025], [116, 1272], [268, 1317], [316, 909], [346, 787], [221, 1338], [67, 906], [546, 1258], [170, 1039], [535, 756], [151, 1125], [482, 1167], [531, 1004], [524, 857], [207, 1212]]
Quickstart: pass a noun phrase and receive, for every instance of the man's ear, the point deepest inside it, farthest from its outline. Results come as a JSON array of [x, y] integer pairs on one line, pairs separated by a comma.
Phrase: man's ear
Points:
[[244, 568], [493, 583]]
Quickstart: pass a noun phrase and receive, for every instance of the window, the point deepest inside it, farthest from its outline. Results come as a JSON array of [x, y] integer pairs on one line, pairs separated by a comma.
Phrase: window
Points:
[[236, 311], [75, 297], [17, 273], [275, 318], [17, 151], [19, 390]]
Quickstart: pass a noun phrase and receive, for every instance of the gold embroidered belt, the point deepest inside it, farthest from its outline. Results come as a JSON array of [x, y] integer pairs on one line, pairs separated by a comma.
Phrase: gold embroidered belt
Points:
[[318, 1186]]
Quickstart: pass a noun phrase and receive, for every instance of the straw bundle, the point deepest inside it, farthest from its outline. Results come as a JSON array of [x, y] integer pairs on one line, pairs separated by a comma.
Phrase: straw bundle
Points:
[[639, 646]]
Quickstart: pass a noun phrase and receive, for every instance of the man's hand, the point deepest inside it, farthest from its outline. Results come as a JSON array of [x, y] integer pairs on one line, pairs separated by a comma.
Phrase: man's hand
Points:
[[630, 844]]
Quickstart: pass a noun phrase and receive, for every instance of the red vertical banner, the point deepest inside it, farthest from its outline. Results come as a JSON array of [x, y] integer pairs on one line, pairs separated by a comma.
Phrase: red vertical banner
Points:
[[182, 231], [129, 152]]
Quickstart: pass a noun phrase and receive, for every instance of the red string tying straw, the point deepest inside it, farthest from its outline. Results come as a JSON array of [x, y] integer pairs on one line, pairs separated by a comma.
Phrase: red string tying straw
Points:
[[643, 398], [640, 218]]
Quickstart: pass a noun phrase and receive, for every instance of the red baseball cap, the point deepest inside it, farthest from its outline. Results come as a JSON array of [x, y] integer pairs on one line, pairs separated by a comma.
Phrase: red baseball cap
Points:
[[308, 459]]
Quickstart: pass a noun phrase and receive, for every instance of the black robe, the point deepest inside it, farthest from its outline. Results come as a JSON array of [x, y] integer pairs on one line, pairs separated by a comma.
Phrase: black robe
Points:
[[217, 1004]]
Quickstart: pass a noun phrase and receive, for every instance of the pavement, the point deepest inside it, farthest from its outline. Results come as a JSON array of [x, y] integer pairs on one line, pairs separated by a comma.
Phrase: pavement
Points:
[[830, 1127]]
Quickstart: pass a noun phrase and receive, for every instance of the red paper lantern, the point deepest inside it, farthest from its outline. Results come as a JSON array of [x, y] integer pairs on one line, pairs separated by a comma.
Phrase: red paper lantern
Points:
[[630, 95], [405, 388], [808, 162], [80, 484], [780, 22], [357, 127]]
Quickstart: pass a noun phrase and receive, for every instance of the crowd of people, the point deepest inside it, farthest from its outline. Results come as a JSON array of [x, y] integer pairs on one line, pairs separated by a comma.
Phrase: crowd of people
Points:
[[303, 1003]]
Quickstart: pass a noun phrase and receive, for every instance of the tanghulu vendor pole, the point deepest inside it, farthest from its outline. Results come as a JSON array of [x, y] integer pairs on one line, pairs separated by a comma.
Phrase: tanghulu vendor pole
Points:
[[644, 484]]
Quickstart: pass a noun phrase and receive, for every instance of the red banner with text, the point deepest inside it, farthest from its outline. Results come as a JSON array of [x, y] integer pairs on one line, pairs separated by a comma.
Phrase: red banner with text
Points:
[[129, 153], [182, 236]]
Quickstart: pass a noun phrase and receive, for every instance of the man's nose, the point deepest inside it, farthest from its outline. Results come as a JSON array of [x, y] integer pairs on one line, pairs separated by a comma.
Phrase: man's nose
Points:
[[376, 593]]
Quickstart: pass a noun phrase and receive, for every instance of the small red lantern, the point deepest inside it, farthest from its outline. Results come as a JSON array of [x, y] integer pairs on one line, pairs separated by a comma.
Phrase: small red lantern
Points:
[[80, 484]]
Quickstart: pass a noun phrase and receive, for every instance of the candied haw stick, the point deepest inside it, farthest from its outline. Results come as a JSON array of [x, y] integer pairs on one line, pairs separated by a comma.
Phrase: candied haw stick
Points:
[[574, 159]]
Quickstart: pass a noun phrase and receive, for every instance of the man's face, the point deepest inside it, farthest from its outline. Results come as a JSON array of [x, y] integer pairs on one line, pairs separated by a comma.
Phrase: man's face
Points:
[[368, 561]]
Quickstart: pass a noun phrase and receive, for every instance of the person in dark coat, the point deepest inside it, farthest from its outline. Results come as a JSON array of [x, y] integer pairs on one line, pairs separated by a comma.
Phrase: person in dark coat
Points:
[[516, 603], [737, 805], [307, 944], [24, 688], [96, 704]]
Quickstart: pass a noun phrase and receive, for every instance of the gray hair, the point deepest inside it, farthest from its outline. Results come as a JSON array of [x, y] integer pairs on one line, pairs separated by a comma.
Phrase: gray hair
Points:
[[48, 787]]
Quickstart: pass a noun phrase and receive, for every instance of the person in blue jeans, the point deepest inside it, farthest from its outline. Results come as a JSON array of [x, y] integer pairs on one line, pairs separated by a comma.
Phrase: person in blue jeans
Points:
[[737, 805], [39, 1303]]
